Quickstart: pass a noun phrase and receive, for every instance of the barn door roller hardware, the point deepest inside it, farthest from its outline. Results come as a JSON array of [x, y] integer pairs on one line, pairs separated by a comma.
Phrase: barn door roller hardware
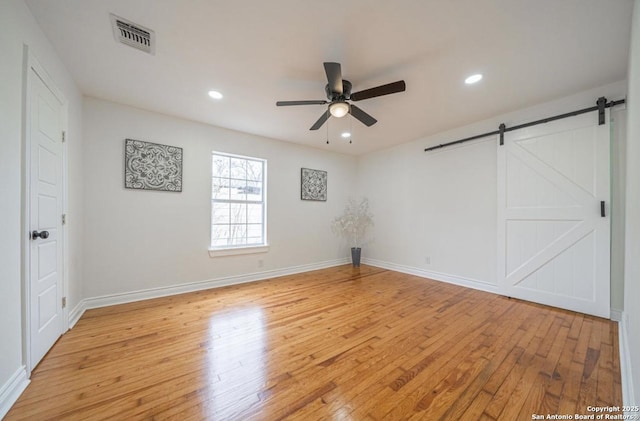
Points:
[[601, 104]]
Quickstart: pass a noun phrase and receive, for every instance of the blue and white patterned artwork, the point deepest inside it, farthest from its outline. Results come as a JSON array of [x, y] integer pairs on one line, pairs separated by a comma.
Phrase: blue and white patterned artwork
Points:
[[314, 184], [150, 166]]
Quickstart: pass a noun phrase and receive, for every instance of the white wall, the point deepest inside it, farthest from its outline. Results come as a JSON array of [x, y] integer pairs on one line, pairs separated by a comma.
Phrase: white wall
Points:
[[632, 257], [17, 28], [137, 240], [442, 204]]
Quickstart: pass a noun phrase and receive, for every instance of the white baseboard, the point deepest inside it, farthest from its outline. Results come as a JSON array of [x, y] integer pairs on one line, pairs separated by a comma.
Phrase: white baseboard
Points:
[[437, 276], [616, 315], [76, 313], [12, 389], [626, 377], [129, 297]]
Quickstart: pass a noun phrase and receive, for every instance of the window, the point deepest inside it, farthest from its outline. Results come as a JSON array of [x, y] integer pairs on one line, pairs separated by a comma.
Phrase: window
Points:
[[238, 202]]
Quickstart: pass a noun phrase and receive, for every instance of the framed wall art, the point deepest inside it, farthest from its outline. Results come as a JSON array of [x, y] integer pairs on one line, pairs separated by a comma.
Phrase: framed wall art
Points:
[[313, 185], [151, 166]]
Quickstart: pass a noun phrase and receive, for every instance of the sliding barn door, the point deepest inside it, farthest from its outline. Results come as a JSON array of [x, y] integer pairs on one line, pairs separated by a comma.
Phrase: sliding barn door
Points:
[[553, 240]]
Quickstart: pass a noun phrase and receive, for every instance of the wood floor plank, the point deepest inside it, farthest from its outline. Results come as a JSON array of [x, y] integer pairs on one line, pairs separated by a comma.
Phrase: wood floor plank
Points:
[[497, 348], [341, 343]]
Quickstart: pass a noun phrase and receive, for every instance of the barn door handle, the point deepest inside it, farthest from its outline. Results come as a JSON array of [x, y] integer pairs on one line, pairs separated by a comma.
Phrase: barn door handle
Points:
[[602, 214], [42, 234]]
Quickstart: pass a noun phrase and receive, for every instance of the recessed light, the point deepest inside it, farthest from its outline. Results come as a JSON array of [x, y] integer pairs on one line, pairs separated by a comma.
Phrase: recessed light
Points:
[[346, 135], [473, 79], [215, 95]]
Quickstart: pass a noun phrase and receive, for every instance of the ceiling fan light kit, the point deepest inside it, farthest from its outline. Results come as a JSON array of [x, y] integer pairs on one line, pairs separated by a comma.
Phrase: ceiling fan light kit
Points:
[[339, 109], [338, 93]]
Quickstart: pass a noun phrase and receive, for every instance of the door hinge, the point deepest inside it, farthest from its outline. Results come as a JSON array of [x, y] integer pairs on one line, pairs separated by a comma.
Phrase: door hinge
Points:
[[64, 136], [64, 302], [64, 218]]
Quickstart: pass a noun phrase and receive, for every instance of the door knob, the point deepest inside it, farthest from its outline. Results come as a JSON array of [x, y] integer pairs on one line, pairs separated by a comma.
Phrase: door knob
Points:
[[42, 234]]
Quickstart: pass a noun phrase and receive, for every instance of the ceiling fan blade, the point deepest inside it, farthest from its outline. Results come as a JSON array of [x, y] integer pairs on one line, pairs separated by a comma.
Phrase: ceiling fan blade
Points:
[[310, 102], [324, 117], [365, 118], [334, 77], [389, 88]]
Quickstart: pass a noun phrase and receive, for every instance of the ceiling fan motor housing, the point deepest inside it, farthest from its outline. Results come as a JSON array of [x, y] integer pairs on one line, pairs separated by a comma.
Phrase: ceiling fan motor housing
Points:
[[346, 91]]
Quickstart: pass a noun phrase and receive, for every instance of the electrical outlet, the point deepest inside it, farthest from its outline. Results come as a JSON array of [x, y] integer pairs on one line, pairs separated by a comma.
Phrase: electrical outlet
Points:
[[427, 260], [260, 263]]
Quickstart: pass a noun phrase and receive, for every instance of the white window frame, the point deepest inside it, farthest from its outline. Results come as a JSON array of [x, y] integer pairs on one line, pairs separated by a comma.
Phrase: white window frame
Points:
[[229, 250]]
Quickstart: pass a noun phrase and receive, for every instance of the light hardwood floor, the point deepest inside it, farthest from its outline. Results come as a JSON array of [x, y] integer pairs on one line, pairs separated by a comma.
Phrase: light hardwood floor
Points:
[[333, 344]]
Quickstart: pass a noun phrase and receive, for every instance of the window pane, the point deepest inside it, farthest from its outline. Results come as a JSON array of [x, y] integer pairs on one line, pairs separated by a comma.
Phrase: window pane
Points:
[[221, 166], [220, 188], [238, 190], [238, 233], [220, 213], [239, 168], [254, 241], [254, 213], [238, 213], [219, 242], [220, 232], [254, 170], [254, 231], [254, 191]]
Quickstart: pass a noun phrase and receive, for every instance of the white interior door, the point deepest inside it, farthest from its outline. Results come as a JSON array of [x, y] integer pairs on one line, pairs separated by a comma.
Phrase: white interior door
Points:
[[553, 242], [45, 218]]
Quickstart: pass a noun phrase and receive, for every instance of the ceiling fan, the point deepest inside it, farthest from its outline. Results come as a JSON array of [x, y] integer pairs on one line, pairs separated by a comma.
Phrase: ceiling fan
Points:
[[338, 93]]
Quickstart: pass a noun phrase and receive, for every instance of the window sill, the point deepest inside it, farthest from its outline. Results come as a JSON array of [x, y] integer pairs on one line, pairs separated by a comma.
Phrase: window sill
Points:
[[234, 251]]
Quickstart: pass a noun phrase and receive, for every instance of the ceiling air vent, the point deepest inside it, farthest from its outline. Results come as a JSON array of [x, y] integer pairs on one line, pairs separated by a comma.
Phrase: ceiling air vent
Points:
[[133, 35]]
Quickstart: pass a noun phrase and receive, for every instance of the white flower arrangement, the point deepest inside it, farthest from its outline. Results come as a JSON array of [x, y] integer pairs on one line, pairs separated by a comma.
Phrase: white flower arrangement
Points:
[[354, 221]]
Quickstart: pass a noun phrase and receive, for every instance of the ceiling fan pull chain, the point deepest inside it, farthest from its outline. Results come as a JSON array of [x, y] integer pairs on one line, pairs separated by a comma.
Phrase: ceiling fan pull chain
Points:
[[327, 112]]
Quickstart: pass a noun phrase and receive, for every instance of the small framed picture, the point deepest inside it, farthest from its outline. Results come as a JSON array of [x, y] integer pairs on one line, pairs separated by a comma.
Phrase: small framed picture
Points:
[[313, 185], [151, 166]]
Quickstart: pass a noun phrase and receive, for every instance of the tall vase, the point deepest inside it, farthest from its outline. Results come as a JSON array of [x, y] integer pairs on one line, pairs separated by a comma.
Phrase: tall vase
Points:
[[355, 256]]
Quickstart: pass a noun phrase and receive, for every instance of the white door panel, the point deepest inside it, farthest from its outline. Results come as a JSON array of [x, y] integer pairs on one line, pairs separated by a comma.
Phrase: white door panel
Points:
[[553, 244], [47, 303], [45, 198], [47, 207], [47, 163]]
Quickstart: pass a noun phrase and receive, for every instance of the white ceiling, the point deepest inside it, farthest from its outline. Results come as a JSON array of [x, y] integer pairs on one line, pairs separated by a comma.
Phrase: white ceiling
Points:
[[258, 52]]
